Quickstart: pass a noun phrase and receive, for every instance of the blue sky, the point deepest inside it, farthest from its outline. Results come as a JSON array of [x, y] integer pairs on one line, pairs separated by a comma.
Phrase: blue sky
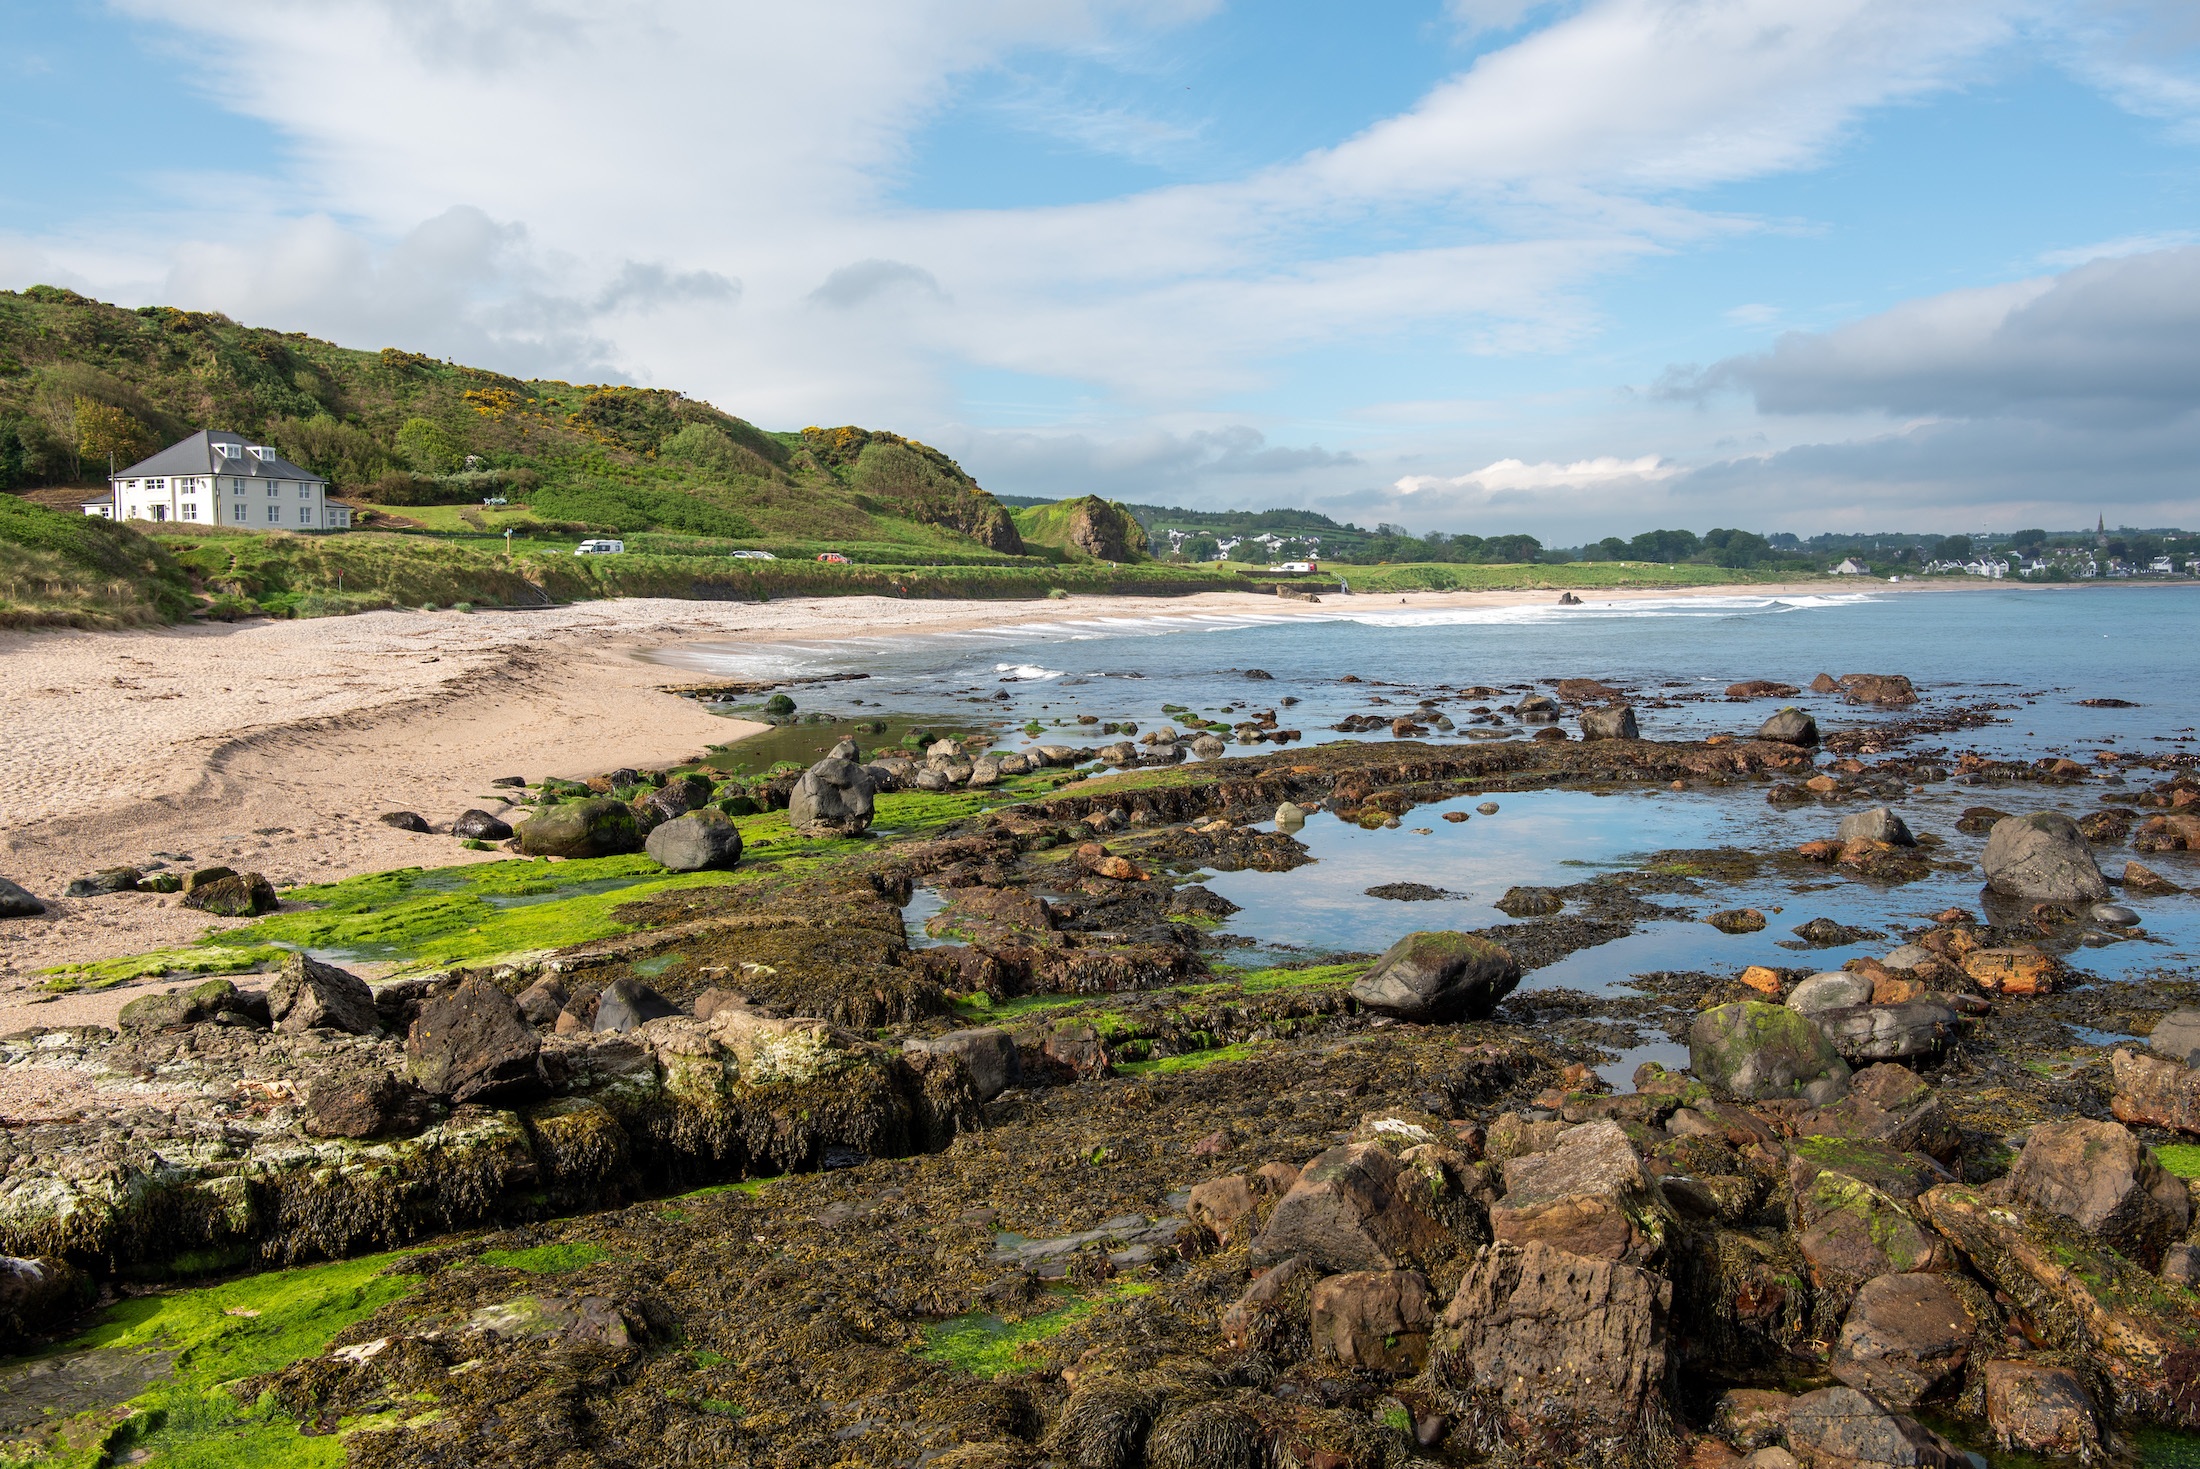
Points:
[[1575, 268]]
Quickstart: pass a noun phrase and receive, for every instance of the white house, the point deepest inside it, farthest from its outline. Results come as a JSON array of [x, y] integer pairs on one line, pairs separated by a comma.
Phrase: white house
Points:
[[215, 478], [1850, 566]]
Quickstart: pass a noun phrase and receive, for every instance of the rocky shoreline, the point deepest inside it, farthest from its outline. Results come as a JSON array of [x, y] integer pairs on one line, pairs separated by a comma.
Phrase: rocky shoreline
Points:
[[1057, 1182]]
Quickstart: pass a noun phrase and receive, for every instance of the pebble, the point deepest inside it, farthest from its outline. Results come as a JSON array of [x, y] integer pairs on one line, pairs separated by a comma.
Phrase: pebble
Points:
[[2115, 915]]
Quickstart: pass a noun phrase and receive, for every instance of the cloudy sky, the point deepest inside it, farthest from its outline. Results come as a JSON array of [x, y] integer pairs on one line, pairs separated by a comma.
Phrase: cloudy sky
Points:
[[1491, 265]]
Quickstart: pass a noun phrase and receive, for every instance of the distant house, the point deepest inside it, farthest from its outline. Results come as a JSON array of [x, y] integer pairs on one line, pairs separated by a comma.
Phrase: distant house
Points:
[[2162, 566], [215, 478], [1850, 566]]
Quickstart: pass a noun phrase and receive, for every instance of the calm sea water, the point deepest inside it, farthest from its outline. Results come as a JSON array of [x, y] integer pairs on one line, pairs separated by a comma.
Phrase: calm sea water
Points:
[[2030, 653]]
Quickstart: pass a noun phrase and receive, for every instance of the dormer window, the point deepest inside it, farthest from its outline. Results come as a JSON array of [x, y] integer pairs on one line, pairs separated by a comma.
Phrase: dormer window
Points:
[[259, 451]]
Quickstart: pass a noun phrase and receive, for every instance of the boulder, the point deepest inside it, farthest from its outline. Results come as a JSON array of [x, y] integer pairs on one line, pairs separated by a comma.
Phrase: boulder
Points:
[[1876, 825], [1738, 920], [833, 798], [362, 1105], [2176, 1036], [480, 826], [1209, 747], [1437, 977], [1752, 1417], [106, 880], [628, 1004], [1560, 1359], [984, 772], [240, 895], [2154, 1092], [1537, 709], [1756, 1051], [987, 1052], [1587, 1194], [1352, 1208], [2105, 1181], [1841, 1428], [1791, 726], [1906, 1338], [692, 792], [1610, 722], [2041, 1409], [1761, 688], [1833, 990], [1290, 817], [2042, 857], [1849, 1231], [1888, 690], [213, 1001], [2022, 970], [598, 827], [471, 1043], [37, 1297], [310, 995], [1911, 1031], [541, 1001], [405, 821], [1060, 754], [700, 841], [1373, 1320]]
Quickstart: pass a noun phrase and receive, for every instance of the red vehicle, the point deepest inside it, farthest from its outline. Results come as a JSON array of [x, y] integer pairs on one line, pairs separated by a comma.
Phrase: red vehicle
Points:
[[832, 556]]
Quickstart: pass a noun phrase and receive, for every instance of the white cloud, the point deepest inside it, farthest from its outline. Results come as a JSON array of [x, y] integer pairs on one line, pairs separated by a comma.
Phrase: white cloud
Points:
[[1515, 474], [1755, 313]]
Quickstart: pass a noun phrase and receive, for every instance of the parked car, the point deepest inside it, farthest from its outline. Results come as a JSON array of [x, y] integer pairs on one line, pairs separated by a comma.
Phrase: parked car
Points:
[[832, 556], [752, 556], [496, 500], [599, 548]]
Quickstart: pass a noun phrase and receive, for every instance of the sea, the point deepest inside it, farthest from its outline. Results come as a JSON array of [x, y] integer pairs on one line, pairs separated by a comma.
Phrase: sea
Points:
[[2004, 672]]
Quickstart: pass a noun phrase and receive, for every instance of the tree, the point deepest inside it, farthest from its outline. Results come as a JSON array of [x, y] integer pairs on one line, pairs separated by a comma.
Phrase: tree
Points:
[[1952, 548], [1736, 548], [105, 433], [429, 448], [1664, 545], [1202, 547], [1510, 549], [1611, 548], [11, 455]]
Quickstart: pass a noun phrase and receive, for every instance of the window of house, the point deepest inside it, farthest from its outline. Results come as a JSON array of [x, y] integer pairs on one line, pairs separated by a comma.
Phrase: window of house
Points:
[[273, 489], [190, 510], [274, 514], [305, 515], [239, 511]]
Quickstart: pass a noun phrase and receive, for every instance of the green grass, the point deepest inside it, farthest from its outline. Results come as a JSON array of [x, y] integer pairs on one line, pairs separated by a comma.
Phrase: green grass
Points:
[[102, 974], [555, 1259], [2181, 1159], [985, 1345], [1190, 1061], [61, 568], [219, 1334]]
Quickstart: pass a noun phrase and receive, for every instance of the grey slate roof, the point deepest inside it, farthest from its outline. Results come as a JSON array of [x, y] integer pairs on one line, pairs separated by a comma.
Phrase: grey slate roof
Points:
[[195, 455]]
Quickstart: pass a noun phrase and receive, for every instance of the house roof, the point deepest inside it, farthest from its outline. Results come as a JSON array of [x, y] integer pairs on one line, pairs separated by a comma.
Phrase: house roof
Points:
[[196, 455]]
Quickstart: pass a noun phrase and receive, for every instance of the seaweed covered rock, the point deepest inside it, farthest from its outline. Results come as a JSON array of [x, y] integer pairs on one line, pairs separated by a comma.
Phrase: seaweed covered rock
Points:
[[1560, 1359], [2042, 857], [1353, 1208], [16, 901], [599, 827], [1888, 690], [310, 995], [1879, 824], [215, 1001], [2155, 1092], [472, 1043], [1437, 977], [987, 1052], [2105, 1181], [833, 798], [1756, 1051], [362, 1104], [106, 880], [698, 841], [2041, 1409], [2080, 1296]]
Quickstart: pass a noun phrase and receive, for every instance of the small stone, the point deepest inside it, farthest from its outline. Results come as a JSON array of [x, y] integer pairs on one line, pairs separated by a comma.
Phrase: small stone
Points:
[[405, 821], [1876, 825], [1487, 808], [480, 826], [2146, 882], [1764, 981], [106, 880], [1290, 817], [1738, 920], [2114, 915]]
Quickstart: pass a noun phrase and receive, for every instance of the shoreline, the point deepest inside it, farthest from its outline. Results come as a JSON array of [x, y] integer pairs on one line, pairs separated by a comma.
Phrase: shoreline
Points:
[[276, 746]]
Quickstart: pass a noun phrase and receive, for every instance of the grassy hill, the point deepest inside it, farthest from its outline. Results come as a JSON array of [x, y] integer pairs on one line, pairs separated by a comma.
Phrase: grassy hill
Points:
[[1086, 528], [82, 382]]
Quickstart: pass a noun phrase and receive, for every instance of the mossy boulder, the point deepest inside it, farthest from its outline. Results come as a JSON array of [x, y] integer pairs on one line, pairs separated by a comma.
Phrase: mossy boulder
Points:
[[216, 1000], [239, 895], [1436, 977], [600, 827], [699, 841], [1755, 1051]]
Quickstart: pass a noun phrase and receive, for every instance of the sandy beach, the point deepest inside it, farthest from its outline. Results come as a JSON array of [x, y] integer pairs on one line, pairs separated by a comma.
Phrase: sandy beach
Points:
[[274, 746]]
